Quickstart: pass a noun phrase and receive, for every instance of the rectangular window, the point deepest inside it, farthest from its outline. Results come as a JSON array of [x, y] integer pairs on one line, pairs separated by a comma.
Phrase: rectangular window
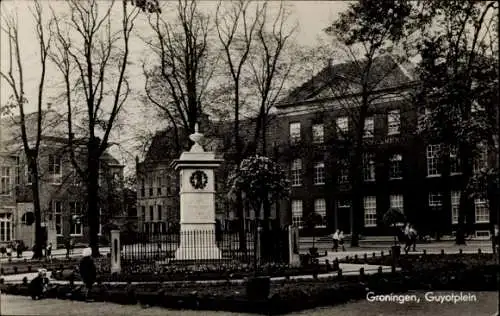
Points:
[[18, 170], [343, 167], [159, 213], [5, 227], [342, 124], [370, 208], [58, 217], [76, 218], [320, 208], [297, 213], [454, 161], [29, 175], [396, 201], [294, 129], [143, 188], [423, 117], [395, 170], [318, 133], [76, 181], [393, 122], [319, 173], [369, 127], [433, 160], [482, 211], [480, 161], [143, 213], [151, 185], [296, 172], [455, 204], [5, 181], [435, 199], [368, 167], [151, 213], [55, 169], [159, 181]]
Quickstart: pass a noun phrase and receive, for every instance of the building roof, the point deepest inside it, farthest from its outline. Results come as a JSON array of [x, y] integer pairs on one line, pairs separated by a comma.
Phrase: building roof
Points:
[[337, 80]]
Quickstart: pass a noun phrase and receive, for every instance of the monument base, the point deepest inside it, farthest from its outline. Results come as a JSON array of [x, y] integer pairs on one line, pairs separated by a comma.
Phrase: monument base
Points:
[[198, 253]]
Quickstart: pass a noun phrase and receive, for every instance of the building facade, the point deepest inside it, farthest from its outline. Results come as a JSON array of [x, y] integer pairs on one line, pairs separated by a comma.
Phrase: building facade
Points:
[[61, 188], [401, 169]]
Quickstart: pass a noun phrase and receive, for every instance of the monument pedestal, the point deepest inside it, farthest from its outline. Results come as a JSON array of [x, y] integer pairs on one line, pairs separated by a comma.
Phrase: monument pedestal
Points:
[[197, 203], [197, 242]]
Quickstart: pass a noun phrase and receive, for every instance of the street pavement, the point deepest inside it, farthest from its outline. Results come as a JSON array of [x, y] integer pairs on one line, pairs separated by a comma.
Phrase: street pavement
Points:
[[306, 243], [21, 305], [56, 253]]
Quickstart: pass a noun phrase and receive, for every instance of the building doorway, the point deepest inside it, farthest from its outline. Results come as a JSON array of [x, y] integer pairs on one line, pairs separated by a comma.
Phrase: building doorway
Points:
[[344, 216]]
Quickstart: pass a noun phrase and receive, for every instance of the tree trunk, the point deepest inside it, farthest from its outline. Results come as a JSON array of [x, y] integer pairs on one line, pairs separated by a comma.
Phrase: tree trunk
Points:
[[357, 196], [465, 201], [39, 236], [92, 197]]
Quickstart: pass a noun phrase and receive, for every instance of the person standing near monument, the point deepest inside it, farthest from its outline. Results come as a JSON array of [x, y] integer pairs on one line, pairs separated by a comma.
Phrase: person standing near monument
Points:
[[335, 238], [341, 240]]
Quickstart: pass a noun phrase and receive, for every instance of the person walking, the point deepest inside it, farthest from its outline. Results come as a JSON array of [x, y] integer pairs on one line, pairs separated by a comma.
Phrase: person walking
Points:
[[412, 235], [335, 239], [87, 270], [341, 240], [48, 252], [9, 251], [67, 245]]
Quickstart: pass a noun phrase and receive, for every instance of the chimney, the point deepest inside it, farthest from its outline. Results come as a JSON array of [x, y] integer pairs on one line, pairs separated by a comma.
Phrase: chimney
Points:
[[330, 62]]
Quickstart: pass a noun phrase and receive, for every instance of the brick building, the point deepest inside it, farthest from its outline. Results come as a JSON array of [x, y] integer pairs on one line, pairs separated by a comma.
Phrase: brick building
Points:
[[62, 191], [401, 169]]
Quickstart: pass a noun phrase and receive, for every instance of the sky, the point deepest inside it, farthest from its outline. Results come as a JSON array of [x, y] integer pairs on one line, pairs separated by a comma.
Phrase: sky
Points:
[[311, 16]]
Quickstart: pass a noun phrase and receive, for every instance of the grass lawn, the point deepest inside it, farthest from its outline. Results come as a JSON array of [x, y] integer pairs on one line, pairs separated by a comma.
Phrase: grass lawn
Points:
[[486, 305]]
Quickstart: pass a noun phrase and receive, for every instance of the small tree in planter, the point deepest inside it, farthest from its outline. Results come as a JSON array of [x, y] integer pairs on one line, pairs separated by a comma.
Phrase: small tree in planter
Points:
[[313, 219], [391, 218], [263, 182]]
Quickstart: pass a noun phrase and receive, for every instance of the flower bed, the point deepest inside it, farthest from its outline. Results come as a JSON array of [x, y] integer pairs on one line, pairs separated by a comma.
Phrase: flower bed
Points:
[[420, 262], [202, 272]]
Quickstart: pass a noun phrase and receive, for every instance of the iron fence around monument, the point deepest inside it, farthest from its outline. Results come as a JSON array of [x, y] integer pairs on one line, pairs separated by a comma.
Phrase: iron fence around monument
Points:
[[156, 250]]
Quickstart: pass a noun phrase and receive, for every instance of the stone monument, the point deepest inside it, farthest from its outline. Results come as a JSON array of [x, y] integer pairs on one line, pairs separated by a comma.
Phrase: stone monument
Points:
[[197, 202]]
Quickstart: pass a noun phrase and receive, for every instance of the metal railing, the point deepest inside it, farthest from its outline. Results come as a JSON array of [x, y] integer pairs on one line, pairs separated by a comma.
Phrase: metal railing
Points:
[[251, 249]]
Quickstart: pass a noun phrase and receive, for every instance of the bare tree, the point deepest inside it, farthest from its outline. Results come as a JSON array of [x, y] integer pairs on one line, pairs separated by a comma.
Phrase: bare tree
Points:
[[178, 86], [15, 77], [271, 64], [92, 59], [236, 28], [364, 32]]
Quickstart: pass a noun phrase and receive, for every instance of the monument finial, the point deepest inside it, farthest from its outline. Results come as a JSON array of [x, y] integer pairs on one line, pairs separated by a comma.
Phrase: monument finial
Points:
[[197, 137]]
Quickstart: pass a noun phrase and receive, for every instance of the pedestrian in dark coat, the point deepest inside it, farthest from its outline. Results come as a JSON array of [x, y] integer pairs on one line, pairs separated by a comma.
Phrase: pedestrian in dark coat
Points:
[[88, 270]]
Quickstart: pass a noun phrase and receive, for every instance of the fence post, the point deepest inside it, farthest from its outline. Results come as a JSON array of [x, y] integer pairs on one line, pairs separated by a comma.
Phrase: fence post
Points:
[[115, 252], [293, 246]]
